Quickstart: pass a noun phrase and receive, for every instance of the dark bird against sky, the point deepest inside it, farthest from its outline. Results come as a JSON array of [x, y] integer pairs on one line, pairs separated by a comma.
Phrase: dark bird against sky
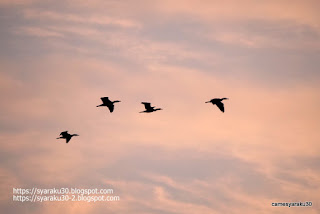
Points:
[[149, 108], [218, 102], [66, 135], [108, 103]]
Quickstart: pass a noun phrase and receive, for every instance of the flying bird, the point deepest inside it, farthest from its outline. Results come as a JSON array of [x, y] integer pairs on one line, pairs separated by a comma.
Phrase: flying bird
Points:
[[67, 136], [218, 102], [108, 103], [149, 108]]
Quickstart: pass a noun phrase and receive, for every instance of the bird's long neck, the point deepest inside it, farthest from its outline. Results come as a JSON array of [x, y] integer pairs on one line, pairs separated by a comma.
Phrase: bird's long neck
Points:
[[157, 109], [116, 101]]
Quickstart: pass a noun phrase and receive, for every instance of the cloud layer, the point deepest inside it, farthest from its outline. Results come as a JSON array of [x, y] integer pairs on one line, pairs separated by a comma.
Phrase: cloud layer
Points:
[[58, 59]]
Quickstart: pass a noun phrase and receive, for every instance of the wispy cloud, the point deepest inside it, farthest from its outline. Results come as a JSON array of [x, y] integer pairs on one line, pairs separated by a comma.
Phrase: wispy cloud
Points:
[[17, 2], [58, 60], [75, 18], [39, 32]]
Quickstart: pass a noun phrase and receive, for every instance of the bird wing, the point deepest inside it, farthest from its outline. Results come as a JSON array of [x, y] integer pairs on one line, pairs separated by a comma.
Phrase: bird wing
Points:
[[111, 107], [68, 138], [220, 106], [105, 99], [65, 133], [147, 105], [214, 100]]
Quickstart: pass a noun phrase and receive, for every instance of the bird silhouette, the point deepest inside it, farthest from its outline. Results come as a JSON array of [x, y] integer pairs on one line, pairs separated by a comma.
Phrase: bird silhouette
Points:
[[108, 103], [218, 102], [149, 108], [67, 136]]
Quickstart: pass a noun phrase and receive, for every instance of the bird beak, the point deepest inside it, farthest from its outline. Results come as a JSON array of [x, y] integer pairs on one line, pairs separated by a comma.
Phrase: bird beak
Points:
[[207, 102]]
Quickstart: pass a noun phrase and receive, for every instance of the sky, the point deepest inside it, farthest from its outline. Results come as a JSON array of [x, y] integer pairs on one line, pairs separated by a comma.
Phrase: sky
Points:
[[57, 58]]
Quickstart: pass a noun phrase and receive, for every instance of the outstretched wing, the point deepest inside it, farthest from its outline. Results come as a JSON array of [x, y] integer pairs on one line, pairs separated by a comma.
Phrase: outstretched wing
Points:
[[111, 107], [105, 99], [64, 134], [68, 138], [147, 105], [214, 100], [220, 106]]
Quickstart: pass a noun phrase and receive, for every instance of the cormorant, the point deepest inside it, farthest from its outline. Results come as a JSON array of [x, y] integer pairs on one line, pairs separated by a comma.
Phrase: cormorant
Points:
[[66, 135], [149, 108], [108, 103], [217, 101]]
